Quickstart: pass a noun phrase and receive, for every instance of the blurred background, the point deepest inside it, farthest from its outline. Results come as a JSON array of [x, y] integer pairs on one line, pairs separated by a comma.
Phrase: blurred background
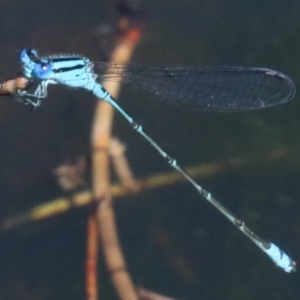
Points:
[[174, 243]]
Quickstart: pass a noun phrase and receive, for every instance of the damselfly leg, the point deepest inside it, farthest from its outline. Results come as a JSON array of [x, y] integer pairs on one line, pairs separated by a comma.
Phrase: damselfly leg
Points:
[[34, 100]]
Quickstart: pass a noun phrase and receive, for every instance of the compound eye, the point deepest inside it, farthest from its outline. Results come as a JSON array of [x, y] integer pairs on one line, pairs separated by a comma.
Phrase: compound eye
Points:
[[24, 56], [33, 55], [42, 70], [28, 55]]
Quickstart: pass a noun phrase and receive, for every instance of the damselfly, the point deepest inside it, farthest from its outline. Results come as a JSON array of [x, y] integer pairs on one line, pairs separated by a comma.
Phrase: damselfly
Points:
[[204, 88]]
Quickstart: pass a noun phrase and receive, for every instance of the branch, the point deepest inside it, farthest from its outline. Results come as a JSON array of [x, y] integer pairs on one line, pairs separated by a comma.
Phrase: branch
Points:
[[63, 204]]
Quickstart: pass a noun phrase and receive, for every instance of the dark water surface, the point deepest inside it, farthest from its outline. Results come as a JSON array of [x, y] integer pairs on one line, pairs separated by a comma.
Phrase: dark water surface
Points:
[[174, 242]]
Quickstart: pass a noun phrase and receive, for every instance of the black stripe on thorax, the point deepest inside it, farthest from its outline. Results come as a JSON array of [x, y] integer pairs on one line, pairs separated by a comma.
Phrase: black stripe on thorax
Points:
[[60, 59], [60, 70]]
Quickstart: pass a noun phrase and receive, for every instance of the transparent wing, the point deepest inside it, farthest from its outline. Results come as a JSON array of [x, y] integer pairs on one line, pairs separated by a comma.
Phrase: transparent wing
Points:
[[205, 88]]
